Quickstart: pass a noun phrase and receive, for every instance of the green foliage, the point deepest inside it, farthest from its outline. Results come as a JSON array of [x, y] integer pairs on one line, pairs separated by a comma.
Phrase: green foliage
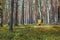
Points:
[[28, 33]]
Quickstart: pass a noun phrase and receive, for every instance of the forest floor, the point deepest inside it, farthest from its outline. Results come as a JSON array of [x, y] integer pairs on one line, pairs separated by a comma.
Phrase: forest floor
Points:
[[31, 32]]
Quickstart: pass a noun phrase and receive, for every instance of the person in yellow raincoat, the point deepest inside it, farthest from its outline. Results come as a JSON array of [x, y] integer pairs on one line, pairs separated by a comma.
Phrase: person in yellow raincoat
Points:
[[39, 22]]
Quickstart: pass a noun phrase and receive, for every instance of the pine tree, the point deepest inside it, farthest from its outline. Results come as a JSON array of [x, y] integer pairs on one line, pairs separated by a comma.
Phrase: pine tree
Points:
[[16, 14], [22, 18], [11, 16]]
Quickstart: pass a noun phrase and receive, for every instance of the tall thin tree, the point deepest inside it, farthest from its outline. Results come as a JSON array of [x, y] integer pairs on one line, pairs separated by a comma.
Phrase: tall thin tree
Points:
[[22, 19], [30, 12], [1, 12], [1, 17], [16, 14], [11, 16]]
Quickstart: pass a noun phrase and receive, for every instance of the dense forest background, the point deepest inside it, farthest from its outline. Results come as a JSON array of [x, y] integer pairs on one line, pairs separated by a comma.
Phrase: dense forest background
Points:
[[29, 11]]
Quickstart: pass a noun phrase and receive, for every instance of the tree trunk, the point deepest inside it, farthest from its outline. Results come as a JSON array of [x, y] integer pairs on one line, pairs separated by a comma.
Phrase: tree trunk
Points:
[[1, 12], [11, 16], [16, 14], [30, 12], [1, 17], [22, 18]]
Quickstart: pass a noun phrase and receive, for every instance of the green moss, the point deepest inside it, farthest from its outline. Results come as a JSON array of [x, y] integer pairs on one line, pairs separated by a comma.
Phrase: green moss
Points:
[[29, 34]]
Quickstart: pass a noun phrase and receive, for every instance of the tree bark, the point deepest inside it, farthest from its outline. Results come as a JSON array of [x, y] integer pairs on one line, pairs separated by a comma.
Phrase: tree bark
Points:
[[22, 18], [11, 16], [16, 14]]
